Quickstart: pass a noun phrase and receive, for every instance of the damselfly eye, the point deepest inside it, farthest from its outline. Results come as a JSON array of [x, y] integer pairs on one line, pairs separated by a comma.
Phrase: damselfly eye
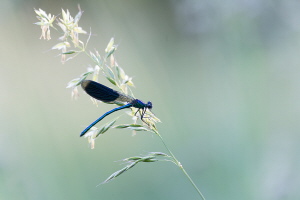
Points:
[[149, 105]]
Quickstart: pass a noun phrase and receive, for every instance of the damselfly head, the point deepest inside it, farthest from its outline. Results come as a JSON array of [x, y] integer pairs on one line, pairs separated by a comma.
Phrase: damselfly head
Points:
[[149, 105]]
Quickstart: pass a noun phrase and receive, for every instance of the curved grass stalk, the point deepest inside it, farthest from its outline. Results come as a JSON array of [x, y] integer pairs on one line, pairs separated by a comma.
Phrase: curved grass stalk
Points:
[[179, 165]]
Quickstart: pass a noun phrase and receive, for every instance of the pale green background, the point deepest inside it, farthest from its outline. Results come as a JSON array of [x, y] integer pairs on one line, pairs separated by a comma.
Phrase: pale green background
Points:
[[223, 76]]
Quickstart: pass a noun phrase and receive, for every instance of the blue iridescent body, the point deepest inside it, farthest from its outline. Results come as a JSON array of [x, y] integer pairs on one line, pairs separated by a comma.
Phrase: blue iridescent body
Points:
[[108, 95]]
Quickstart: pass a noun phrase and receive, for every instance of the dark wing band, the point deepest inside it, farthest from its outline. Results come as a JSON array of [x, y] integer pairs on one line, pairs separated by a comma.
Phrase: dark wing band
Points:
[[103, 93]]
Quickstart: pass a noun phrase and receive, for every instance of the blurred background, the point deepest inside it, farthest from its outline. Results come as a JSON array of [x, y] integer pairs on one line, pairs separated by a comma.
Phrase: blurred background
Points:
[[223, 78]]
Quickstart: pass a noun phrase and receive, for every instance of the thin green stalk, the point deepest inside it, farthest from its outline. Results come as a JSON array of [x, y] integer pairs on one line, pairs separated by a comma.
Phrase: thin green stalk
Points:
[[180, 166]]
